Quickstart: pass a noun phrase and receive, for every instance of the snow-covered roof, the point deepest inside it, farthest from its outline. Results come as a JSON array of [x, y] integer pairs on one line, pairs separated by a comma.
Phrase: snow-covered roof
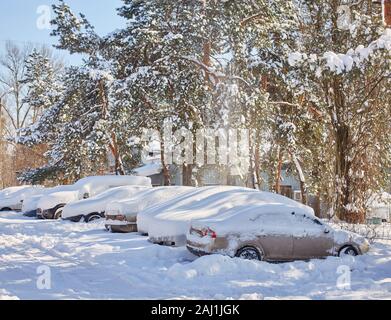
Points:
[[149, 169], [9, 191], [380, 200], [19, 194]]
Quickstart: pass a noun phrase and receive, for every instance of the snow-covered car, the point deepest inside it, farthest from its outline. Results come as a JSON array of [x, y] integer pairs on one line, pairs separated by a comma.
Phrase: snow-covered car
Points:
[[121, 215], [12, 199], [276, 232], [94, 207], [30, 204], [51, 206], [169, 223]]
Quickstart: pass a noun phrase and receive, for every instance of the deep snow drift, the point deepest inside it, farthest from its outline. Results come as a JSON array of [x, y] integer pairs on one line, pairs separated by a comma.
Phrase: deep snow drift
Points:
[[89, 263]]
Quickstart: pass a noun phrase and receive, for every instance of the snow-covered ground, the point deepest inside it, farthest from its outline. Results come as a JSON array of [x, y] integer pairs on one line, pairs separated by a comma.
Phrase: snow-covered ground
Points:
[[89, 263]]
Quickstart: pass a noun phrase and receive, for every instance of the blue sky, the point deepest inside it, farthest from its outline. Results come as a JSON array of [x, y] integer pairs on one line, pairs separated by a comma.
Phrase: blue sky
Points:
[[18, 20]]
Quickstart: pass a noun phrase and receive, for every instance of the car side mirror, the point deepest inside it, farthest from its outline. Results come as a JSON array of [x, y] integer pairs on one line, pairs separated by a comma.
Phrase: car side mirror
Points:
[[326, 230], [86, 195]]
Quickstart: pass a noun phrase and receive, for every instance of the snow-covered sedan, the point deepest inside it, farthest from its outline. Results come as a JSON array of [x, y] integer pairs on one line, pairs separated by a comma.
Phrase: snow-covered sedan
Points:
[[30, 204], [121, 215], [94, 208], [51, 206], [169, 222], [277, 232], [12, 199]]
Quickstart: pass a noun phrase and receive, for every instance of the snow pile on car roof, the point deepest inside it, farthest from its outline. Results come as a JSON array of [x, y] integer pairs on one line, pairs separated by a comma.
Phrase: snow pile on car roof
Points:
[[18, 195], [9, 191], [97, 204], [90, 186], [98, 184], [172, 218], [146, 199]]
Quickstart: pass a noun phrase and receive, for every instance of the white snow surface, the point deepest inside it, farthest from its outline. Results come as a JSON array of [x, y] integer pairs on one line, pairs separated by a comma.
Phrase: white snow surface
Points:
[[173, 218], [98, 203], [87, 262]]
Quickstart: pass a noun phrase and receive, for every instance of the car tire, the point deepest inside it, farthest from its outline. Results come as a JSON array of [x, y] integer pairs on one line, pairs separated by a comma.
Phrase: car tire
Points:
[[5, 209], [92, 217], [348, 251], [249, 253], [58, 214]]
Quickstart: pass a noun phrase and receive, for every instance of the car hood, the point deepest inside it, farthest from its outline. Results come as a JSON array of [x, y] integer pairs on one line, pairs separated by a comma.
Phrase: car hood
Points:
[[343, 236]]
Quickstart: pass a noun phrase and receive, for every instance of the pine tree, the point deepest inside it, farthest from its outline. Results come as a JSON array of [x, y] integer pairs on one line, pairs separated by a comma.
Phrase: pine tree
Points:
[[43, 85], [343, 72], [193, 61]]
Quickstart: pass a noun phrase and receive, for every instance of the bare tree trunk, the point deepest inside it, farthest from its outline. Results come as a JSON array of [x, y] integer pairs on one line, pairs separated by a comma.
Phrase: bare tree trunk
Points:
[[119, 168], [342, 193], [277, 185], [343, 184], [257, 161], [316, 206], [250, 181], [187, 171], [166, 171]]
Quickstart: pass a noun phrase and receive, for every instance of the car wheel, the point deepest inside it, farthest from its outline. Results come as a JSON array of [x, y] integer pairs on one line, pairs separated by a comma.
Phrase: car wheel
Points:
[[93, 217], [58, 214], [348, 251], [5, 209], [249, 253]]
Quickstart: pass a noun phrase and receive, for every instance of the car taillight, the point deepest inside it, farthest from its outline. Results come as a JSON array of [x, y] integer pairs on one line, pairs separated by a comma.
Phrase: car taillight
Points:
[[209, 232]]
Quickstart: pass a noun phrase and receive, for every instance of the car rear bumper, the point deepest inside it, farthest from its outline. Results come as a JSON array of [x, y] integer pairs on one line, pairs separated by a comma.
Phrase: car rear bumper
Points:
[[123, 228], [172, 241], [121, 223], [197, 251]]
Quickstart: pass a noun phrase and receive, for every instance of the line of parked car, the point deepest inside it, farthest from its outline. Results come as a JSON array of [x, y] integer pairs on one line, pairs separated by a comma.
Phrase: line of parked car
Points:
[[234, 221]]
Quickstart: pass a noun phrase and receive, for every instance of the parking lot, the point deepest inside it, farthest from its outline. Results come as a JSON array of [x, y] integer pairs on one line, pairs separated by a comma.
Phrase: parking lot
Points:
[[85, 261]]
